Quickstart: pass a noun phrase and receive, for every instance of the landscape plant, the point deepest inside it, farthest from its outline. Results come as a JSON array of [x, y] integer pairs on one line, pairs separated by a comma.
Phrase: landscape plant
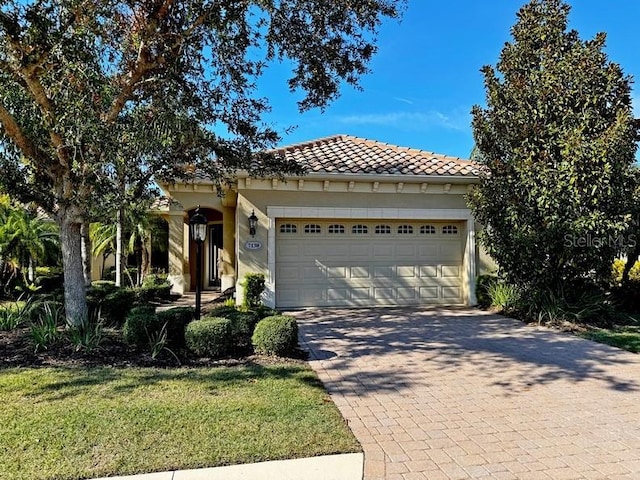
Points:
[[277, 335], [556, 148]]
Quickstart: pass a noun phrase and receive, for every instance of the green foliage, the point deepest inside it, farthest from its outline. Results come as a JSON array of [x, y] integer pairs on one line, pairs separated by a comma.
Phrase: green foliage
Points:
[[625, 337], [113, 303], [44, 331], [276, 335], [483, 282], [86, 336], [139, 326], [618, 268], [627, 296], [222, 311], [556, 148], [176, 320], [209, 337], [12, 315], [503, 297], [586, 305], [150, 292], [253, 287]]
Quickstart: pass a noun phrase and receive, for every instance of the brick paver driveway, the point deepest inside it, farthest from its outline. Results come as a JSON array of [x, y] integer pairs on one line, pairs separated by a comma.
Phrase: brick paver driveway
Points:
[[453, 394]]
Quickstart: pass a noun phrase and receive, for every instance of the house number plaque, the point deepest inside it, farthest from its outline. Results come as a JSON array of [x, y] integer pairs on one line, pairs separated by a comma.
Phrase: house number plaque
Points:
[[253, 245]]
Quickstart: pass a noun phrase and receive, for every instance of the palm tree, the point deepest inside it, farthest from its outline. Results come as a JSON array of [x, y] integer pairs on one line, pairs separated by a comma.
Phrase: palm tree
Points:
[[26, 239]]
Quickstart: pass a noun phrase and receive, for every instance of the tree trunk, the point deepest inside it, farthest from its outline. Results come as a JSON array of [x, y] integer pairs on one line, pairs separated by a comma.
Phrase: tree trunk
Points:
[[119, 249], [86, 253], [632, 258], [75, 298], [31, 271]]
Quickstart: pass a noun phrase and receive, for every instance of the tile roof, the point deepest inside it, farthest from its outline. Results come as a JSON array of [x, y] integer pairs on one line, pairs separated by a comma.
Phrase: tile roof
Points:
[[345, 154]]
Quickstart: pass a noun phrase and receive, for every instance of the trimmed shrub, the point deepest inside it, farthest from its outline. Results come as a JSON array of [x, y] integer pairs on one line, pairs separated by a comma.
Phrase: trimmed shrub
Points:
[[263, 312], [114, 305], [277, 335], [151, 293], [253, 287], [176, 319], [222, 311], [138, 328], [142, 310], [242, 327], [209, 337]]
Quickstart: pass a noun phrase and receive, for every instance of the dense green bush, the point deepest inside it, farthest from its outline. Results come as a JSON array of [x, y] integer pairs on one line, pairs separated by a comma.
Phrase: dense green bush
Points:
[[253, 287], [139, 327], [176, 319], [483, 282], [627, 297], [222, 311], [209, 337], [112, 303], [155, 287], [277, 335]]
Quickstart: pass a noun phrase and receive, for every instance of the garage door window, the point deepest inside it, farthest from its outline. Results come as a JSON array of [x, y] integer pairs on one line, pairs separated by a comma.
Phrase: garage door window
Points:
[[427, 230], [359, 229], [336, 229], [383, 230], [312, 228], [449, 230], [405, 230], [288, 228]]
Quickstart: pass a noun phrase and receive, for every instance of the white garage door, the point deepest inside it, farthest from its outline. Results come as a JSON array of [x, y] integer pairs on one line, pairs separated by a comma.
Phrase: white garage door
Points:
[[367, 263]]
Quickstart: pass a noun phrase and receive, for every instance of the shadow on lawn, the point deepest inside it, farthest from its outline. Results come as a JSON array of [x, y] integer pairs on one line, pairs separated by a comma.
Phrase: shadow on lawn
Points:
[[113, 382], [509, 354]]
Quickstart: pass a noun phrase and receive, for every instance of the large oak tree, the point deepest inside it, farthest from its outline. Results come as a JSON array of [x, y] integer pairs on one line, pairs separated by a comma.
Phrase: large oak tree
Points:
[[96, 95]]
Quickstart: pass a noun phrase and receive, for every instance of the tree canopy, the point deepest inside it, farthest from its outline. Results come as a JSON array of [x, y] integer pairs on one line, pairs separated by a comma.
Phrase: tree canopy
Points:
[[556, 143], [97, 95]]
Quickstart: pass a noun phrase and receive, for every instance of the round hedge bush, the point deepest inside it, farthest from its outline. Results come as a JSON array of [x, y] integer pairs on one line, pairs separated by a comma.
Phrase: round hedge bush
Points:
[[209, 337], [276, 335]]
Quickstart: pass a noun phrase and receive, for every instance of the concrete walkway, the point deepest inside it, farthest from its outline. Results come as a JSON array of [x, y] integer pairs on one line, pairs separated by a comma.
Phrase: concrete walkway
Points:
[[327, 467], [453, 394]]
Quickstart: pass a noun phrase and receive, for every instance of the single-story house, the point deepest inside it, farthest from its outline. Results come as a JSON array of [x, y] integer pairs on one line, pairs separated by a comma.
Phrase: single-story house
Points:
[[369, 224]]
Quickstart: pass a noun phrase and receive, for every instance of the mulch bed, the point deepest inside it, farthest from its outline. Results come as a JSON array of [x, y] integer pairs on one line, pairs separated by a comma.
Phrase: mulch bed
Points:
[[16, 350]]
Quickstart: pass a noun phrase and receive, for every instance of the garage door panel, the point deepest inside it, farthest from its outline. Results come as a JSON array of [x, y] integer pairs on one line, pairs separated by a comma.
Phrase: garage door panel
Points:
[[336, 272], [367, 269], [451, 271], [384, 271], [362, 293], [406, 271], [359, 272], [381, 293]]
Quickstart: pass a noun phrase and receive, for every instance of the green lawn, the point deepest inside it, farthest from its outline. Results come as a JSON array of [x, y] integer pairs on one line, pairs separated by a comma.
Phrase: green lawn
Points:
[[625, 337], [83, 423]]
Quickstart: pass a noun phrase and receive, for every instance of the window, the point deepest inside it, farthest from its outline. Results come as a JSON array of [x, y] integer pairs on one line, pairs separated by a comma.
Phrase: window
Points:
[[449, 230], [336, 228], [312, 228], [288, 228], [427, 230], [383, 230], [405, 230], [359, 229]]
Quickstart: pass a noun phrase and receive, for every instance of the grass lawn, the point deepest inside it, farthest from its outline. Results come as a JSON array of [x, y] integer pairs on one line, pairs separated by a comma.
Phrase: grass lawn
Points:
[[625, 337], [82, 423]]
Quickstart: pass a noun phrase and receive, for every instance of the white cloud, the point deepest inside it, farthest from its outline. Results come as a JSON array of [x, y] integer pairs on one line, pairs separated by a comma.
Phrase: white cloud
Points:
[[404, 100], [411, 120]]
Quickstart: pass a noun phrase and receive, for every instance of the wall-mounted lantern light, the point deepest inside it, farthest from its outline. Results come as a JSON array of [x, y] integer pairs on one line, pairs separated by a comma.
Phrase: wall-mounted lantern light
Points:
[[253, 223], [198, 230]]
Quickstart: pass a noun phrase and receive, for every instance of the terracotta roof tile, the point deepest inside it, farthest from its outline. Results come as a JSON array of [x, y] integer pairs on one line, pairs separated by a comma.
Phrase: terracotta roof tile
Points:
[[348, 154]]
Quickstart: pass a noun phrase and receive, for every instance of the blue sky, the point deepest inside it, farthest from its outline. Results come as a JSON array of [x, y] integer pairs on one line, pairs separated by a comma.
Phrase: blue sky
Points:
[[425, 77]]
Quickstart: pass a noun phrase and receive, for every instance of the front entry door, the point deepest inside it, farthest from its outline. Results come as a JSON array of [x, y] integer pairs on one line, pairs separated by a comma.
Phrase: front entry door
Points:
[[215, 254]]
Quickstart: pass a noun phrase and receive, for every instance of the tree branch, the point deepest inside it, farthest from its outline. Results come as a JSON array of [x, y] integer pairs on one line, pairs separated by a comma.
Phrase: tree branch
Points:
[[15, 133]]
